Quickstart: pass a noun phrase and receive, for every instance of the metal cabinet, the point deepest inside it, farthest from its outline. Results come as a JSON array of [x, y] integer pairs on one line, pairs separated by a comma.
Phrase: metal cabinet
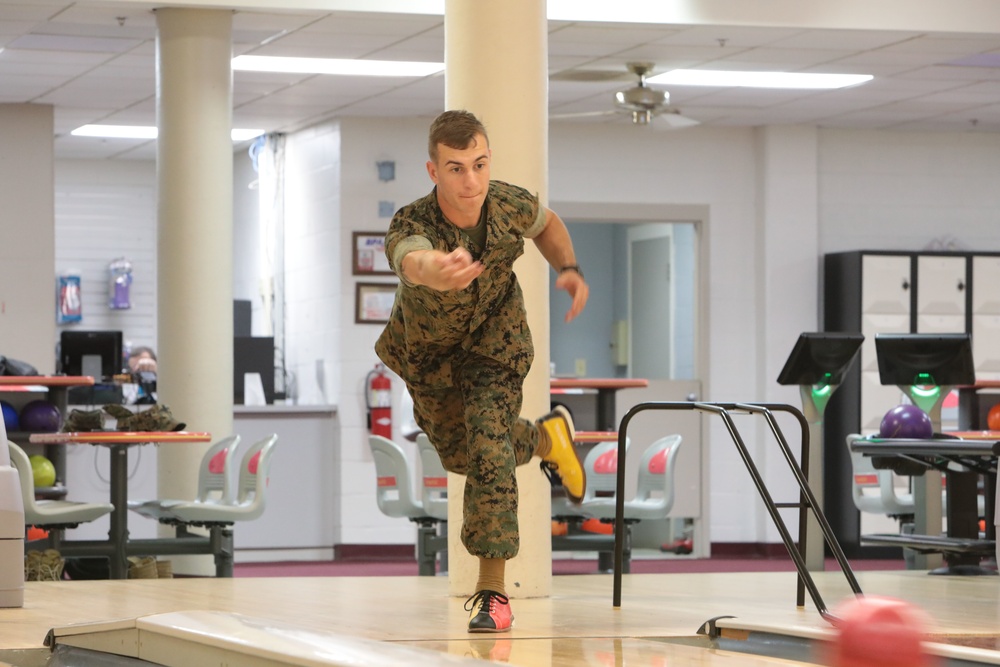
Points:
[[896, 292]]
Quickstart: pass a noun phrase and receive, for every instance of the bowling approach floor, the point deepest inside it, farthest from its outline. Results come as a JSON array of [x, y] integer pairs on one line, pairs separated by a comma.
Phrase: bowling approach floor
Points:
[[389, 621]]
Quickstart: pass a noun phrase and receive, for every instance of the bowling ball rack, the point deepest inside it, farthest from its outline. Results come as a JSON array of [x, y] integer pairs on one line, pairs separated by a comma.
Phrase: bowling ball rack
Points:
[[800, 471]]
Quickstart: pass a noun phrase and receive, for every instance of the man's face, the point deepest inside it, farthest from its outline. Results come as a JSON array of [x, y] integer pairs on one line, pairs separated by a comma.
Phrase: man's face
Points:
[[462, 178]]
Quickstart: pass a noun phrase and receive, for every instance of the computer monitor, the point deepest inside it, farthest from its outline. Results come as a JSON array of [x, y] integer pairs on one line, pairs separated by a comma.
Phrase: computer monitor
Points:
[[94, 353], [925, 359], [820, 358], [253, 355]]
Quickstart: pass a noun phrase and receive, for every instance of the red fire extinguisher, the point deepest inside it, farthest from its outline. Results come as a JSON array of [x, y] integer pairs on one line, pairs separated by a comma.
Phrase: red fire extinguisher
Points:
[[378, 400]]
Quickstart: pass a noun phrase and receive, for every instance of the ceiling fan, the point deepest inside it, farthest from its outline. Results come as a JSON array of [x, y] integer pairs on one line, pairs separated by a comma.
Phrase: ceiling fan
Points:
[[641, 102]]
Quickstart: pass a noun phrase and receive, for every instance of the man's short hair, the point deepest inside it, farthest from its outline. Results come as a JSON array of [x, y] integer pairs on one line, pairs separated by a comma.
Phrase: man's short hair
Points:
[[455, 129], [136, 351]]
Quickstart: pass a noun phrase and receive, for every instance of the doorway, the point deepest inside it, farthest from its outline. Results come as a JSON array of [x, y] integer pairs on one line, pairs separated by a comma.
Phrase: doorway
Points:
[[642, 322]]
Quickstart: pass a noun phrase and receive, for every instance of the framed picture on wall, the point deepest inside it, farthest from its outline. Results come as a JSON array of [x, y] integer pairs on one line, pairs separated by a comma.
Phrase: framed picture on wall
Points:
[[368, 254], [373, 302]]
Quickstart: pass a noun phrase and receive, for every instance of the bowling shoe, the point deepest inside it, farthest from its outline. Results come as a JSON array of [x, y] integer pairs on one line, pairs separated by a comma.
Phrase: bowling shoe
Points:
[[562, 464], [490, 612]]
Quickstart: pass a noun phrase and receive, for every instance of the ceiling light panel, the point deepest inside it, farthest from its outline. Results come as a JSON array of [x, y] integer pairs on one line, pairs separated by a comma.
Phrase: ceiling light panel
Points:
[[741, 79], [335, 66], [145, 132]]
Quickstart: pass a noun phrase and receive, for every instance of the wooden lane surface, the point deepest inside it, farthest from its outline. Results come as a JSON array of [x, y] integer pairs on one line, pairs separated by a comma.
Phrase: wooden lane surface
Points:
[[575, 626]]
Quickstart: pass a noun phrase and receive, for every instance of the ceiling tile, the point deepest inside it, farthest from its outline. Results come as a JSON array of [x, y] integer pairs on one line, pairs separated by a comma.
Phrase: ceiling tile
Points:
[[97, 63]]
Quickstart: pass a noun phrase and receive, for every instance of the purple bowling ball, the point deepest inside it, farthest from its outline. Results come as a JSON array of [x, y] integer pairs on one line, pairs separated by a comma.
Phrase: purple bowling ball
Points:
[[11, 422], [906, 421], [40, 417]]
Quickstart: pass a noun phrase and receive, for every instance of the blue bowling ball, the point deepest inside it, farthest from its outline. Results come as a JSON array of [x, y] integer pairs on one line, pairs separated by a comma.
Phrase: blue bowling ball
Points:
[[11, 421]]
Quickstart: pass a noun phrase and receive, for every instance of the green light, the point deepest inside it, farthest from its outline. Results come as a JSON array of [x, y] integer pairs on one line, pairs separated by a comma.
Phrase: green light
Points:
[[822, 390], [926, 391]]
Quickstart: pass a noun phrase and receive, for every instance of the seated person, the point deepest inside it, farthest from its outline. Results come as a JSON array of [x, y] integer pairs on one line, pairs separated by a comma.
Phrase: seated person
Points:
[[142, 359], [142, 366]]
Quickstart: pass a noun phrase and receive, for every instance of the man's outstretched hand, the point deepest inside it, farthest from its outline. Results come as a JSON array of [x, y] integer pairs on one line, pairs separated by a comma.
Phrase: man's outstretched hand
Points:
[[443, 271]]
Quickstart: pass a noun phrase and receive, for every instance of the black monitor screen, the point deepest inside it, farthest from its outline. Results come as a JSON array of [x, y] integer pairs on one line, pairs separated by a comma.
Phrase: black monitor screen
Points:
[[253, 355], [94, 353], [925, 359], [820, 358]]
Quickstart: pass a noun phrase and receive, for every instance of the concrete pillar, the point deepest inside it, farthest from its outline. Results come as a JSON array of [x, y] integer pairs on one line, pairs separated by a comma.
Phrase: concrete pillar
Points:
[[496, 56], [194, 159], [27, 230]]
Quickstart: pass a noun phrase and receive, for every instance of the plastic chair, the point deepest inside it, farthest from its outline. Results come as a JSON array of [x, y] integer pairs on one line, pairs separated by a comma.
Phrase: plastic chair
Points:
[[434, 478], [654, 495], [219, 517], [434, 493], [53, 515], [601, 468], [215, 482], [397, 498], [250, 491], [395, 494], [874, 490]]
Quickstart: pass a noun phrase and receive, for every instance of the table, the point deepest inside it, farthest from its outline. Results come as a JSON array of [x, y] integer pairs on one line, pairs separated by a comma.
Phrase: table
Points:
[[968, 403], [962, 458], [57, 388], [116, 547], [606, 389]]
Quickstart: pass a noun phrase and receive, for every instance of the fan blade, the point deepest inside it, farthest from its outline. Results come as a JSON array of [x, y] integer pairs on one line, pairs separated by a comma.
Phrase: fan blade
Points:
[[592, 75], [582, 114], [672, 119]]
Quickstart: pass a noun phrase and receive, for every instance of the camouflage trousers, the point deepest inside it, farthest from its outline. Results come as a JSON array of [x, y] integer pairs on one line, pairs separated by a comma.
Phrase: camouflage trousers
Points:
[[474, 426]]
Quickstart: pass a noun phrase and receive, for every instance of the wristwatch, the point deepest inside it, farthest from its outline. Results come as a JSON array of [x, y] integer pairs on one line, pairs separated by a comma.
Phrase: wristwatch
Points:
[[571, 267]]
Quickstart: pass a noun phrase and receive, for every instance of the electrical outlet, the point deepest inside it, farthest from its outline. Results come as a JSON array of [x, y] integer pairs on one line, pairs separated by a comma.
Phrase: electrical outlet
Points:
[[581, 368]]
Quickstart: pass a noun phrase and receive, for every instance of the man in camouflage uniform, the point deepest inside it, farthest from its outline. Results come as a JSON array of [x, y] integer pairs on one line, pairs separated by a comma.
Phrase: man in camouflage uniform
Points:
[[458, 336]]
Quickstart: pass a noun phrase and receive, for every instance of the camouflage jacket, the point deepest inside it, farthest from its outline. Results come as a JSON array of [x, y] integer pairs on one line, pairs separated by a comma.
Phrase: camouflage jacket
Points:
[[488, 317]]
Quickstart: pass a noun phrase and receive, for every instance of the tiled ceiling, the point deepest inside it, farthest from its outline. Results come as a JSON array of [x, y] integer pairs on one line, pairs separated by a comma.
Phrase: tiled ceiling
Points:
[[94, 61]]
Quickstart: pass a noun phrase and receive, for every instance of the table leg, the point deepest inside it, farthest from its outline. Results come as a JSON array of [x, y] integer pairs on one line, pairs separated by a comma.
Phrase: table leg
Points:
[[990, 496], [118, 534], [963, 521], [606, 410]]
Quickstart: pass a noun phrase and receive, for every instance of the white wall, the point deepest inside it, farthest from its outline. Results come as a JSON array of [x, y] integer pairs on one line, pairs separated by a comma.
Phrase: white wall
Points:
[[625, 164], [908, 191], [105, 210], [850, 189]]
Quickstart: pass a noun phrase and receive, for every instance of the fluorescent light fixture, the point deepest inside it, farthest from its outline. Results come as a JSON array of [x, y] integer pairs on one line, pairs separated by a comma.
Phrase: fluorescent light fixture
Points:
[[245, 134], [335, 66], [731, 79], [144, 132], [115, 131]]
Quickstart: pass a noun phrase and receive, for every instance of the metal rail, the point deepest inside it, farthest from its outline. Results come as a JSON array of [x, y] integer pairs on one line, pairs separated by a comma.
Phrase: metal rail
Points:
[[806, 498]]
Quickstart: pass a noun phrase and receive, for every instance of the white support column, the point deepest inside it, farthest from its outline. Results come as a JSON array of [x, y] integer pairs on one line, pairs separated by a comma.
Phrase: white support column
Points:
[[496, 56], [27, 230], [194, 158]]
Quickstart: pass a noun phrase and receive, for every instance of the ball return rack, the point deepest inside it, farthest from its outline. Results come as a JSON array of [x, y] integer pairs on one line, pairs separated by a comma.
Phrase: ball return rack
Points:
[[807, 501]]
